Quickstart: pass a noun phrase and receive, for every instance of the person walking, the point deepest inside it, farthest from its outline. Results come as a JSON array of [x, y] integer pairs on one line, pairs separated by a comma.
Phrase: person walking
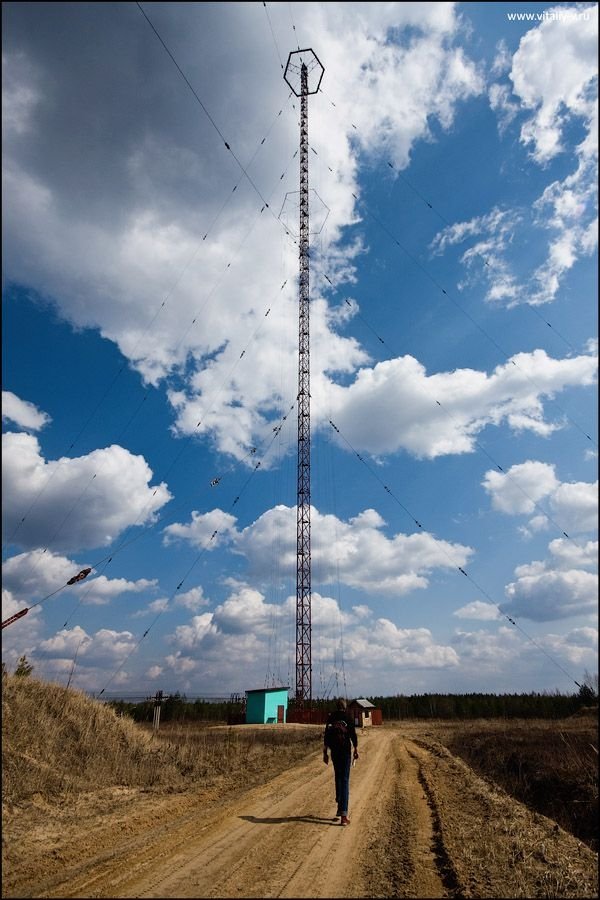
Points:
[[338, 739]]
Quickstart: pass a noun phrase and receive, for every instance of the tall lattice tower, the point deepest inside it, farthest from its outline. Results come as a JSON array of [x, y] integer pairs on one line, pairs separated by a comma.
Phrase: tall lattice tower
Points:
[[303, 74]]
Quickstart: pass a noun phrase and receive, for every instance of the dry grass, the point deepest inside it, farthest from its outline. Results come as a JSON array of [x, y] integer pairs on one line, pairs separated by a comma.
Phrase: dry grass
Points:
[[552, 766], [57, 741]]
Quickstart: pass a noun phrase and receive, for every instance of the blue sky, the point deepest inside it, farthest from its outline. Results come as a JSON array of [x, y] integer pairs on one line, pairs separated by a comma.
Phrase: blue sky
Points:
[[150, 345]]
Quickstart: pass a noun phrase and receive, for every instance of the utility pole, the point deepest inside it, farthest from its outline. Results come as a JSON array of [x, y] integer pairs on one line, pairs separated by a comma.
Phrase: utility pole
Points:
[[158, 701], [303, 74]]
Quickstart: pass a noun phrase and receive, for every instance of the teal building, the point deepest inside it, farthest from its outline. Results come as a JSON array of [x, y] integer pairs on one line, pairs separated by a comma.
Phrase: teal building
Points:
[[266, 705]]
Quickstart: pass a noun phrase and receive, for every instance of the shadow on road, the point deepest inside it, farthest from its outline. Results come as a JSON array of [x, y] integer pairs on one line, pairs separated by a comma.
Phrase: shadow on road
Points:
[[311, 820]]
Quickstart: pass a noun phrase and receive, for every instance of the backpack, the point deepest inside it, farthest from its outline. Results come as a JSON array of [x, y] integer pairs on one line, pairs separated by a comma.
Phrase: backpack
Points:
[[337, 735]]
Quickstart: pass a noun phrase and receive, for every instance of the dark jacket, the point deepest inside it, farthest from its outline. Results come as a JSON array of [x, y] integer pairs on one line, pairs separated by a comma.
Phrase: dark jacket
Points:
[[340, 716]]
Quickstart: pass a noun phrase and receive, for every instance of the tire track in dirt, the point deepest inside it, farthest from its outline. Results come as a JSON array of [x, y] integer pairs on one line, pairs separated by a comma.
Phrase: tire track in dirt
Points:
[[403, 858], [447, 876]]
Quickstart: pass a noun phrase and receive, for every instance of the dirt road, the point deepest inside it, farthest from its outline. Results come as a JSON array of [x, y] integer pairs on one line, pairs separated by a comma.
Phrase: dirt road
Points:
[[422, 825]]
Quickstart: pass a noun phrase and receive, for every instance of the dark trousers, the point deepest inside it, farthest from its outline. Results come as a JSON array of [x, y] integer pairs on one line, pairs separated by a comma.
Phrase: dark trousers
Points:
[[341, 768]]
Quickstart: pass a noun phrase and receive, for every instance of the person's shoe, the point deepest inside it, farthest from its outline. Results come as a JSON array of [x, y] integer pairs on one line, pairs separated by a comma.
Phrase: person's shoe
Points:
[[345, 820]]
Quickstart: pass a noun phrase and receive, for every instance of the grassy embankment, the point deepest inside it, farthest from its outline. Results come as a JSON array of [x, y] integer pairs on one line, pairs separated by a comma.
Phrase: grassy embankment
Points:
[[57, 741]]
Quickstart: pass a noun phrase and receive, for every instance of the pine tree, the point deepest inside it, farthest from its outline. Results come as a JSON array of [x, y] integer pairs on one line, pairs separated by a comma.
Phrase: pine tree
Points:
[[24, 667]]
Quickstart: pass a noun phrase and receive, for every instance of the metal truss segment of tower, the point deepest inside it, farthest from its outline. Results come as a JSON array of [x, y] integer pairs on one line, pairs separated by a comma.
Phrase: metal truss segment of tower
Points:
[[305, 64], [303, 552]]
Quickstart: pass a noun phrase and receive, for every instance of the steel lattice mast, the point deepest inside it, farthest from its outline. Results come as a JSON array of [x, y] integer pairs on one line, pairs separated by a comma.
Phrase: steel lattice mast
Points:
[[303, 71]]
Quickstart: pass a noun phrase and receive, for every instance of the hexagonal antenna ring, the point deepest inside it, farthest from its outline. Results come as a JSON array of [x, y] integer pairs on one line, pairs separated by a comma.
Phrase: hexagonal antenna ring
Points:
[[293, 70]]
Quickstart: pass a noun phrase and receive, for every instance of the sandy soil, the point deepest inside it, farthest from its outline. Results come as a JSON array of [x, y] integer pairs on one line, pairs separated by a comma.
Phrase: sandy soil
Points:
[[422, 825]]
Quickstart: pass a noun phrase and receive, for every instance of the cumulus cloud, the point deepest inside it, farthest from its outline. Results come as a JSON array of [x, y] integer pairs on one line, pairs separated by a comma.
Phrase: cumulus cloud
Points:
[[488, 650], [84, 501], [23, 413], [16, 641], [73, 655], [569, 555], [578, 646], [238, 633], [566, 583], [206, 531], [122, 217], [193, 599], [398, 647], [102, 590], [542, 594], [477, 609], [155, 607], [505, 657], [355, 551], [36, 573], [554, 92], [518, 490], [548, 97], [573, 506], [393, 406], [104, 647]]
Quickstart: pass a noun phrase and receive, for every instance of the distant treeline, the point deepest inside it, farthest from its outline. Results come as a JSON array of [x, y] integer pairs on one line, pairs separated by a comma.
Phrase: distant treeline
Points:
[[482, 706], [177, 708]]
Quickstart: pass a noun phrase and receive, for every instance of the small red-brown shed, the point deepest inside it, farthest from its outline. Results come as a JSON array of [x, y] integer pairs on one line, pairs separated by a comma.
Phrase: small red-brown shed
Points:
[[364, 713]]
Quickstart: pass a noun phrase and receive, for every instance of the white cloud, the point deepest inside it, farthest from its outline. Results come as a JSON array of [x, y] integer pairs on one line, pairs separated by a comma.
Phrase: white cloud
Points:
[[238, 637], [35, 573], [486, 257], [393, 406], [551, 73], [94, 654], [32, 575], [154, 672], [150, 249], [154, 607], [66, 643], [573, 506], [84, 501], [498, 222], [357, 552], [23, 413], [505, 108], [187, 636], [193, 599], [396, 648], [477, 609], [561, 586], [576, 504], [578, 646], [551, 594], [22, 634], [206, 531], [499, 657], [102, 590], [502, 60], [488, 651], [245, 611], [569, 555], [517, 491], [554, 83]]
